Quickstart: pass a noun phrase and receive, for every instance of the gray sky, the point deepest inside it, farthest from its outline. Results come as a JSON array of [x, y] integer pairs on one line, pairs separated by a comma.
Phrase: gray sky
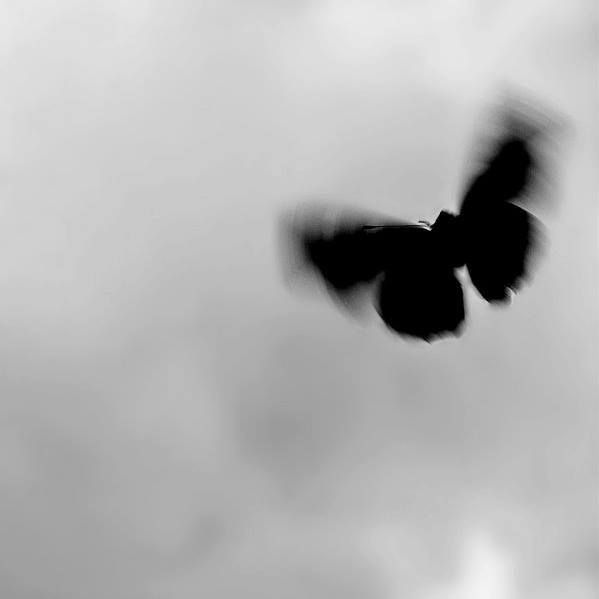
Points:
[[175, 422]]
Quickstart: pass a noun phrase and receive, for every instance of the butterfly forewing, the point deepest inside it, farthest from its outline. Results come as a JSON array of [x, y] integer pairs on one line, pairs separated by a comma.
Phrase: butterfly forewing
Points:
[[344, 249], [504, 178]]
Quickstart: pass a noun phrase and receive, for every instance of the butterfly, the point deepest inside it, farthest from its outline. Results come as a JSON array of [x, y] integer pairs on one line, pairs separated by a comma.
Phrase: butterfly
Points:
[[411, 269]]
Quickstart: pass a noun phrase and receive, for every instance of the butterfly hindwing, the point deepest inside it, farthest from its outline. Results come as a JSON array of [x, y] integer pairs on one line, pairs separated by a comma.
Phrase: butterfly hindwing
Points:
[[499, 261], [420, 296]]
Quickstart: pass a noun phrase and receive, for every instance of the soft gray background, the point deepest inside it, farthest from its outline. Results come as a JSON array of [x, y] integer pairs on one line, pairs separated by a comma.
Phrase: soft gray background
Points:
[[175, 422]]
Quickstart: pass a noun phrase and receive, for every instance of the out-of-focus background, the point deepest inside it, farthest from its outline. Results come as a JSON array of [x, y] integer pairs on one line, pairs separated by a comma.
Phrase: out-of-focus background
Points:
[[175, 422]]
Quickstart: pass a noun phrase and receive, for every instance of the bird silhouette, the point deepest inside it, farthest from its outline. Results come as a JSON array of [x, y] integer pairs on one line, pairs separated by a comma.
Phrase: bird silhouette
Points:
[[410, 269]]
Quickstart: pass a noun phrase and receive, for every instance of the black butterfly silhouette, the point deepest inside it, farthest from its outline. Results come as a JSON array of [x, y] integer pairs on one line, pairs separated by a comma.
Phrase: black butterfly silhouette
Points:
[[411, 268]]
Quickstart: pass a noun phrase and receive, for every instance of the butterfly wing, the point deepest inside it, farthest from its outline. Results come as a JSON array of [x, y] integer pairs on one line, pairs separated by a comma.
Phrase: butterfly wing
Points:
[[500, 251], [505, 177], [416, 292], [344, 249], [501, 237], [420, 296]]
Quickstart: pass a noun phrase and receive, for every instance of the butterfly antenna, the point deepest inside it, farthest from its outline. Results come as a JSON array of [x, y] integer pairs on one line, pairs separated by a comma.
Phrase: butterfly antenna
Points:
[[404, 226]]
